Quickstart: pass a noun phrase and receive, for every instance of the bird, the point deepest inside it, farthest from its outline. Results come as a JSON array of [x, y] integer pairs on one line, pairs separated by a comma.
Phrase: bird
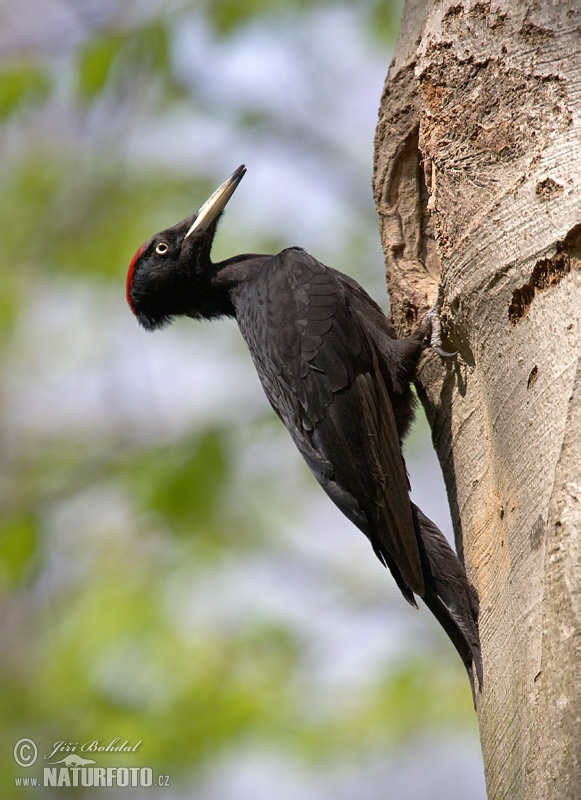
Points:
[[339, 379]]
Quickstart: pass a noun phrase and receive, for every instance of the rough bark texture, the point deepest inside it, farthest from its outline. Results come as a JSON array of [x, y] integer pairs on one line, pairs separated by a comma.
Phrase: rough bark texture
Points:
[[478, 188]]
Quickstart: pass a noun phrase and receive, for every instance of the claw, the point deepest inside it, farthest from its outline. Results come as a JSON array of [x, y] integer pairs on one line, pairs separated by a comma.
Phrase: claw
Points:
[[433, 316]]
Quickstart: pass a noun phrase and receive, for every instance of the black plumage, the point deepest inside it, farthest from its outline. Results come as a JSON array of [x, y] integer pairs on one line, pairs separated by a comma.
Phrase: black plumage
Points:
[[338, 378]]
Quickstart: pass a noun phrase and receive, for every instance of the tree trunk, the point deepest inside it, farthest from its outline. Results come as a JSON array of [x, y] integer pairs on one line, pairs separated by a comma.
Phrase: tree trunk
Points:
[[478, 188]]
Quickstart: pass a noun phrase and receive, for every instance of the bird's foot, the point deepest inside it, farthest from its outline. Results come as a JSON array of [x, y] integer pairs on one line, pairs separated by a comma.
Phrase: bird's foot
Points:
[[433, 317]]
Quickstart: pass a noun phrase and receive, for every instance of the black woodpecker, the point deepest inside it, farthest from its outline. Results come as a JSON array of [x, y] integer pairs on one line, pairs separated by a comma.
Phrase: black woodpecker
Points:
[[338, 378]]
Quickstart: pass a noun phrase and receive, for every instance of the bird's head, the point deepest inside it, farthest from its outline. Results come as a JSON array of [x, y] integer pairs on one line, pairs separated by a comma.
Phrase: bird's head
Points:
[[168, 274]]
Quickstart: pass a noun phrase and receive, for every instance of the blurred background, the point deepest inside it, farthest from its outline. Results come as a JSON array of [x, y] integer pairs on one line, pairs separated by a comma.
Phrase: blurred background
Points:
[[170, 573]]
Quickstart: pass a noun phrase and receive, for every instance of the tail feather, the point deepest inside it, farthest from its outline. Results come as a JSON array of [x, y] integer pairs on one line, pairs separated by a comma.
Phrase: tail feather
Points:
[[449, 595]]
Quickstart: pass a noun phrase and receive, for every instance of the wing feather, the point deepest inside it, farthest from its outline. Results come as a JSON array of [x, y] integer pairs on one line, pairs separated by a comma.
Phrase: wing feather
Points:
[[320, 370]]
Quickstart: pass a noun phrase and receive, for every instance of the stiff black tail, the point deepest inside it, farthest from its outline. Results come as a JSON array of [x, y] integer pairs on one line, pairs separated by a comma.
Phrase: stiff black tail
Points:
[[449, 594]]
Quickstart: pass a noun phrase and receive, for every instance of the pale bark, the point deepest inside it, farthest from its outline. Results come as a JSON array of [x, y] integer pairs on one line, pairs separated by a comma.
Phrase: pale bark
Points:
[[478, 186]]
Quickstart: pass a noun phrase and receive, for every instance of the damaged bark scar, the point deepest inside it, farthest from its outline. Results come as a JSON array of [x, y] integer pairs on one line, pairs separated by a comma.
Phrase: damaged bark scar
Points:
[[534, 34], [483, 119], [548, 189], [547, 273], [454, 11], [533, 375], [402, 198], [537, 533]]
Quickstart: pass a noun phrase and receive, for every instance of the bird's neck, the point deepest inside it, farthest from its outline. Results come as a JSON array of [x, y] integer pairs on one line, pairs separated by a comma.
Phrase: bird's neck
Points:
[[229, 278]]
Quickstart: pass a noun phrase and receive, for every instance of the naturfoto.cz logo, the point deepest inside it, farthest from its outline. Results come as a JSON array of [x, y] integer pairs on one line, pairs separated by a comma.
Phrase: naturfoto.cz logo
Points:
[[67, 767]]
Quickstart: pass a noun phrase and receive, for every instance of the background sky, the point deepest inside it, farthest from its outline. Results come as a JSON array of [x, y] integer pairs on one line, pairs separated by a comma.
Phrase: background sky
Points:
[[169, 571]]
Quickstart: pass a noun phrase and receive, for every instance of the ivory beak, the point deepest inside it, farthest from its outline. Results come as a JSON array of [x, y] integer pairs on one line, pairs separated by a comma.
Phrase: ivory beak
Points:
[[215, 204]]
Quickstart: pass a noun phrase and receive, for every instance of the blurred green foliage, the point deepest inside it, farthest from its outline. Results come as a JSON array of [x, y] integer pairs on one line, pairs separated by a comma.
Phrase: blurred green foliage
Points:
[[18, 548], [22, 86], [228, 16], [105, 531], [108, 60]]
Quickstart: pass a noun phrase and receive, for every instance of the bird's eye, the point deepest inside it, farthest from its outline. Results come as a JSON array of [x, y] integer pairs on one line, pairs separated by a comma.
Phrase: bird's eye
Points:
[[162, 248]]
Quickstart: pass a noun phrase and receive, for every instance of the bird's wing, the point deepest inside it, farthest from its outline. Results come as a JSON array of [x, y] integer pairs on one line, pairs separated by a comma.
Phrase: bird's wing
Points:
[[319, 369]]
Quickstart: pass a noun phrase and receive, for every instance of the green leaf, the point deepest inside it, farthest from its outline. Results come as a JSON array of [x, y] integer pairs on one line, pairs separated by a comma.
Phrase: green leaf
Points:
[[384, 19], [184, 484], [228, 16], [22, 85], [18, 547], [95, 64], [114, 60], [150, 45]]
